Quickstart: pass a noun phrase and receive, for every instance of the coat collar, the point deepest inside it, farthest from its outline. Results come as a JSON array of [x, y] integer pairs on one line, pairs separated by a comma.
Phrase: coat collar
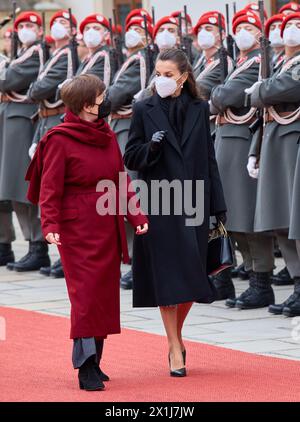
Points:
[[161, 121]]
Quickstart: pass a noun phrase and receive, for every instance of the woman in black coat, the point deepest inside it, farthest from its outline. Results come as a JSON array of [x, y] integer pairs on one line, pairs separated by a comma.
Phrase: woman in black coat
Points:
[[170, 140]]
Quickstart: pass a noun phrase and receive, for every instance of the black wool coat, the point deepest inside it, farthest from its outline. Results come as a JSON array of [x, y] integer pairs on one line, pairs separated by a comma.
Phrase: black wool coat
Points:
[[169, 262]]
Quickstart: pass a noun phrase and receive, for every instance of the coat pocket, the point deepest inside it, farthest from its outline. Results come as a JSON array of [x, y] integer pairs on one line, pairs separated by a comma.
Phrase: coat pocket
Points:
[[290, 131], [68, 214]]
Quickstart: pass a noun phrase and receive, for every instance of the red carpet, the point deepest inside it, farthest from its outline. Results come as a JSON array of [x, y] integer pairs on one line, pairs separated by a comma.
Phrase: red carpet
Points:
[[35, 365]]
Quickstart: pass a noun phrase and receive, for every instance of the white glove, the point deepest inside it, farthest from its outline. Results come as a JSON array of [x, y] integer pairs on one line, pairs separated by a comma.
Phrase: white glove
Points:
[[252, 88], [252, 168], [32, 150]]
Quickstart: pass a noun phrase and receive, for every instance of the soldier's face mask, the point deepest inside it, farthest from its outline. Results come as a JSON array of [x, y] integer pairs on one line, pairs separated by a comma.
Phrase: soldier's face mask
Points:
[[275, 38], [165, 86], [27, 36], [132, 38], [206, 39], [291, 36], [245, 40], [58, 31], [93, 38], [165, 39]]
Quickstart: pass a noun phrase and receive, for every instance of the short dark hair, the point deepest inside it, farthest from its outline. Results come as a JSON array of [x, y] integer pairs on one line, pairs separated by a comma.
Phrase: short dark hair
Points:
[[81, 91], [177, 56]]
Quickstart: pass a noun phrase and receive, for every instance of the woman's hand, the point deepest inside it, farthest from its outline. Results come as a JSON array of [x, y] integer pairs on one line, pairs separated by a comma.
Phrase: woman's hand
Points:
[[53, 238], [142, 229]]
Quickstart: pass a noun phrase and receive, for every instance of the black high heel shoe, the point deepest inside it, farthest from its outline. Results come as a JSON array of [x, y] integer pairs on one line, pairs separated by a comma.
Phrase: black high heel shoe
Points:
[[184, 356], [176, 372]]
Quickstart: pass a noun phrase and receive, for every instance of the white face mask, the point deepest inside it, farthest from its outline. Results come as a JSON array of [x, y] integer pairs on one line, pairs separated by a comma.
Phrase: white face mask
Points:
[[132, 39], [165, 86], [93, 38], [244, 40], [27, 36], [206, 39], [165, 39], [58, 31], [275, 38], [291, 36]]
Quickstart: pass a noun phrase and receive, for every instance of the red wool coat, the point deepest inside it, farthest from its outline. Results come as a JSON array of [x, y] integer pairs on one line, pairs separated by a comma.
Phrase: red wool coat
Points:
[[70, 160]]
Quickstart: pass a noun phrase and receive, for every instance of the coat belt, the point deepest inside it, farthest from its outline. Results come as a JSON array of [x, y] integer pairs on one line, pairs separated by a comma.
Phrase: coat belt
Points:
[[221, 120]]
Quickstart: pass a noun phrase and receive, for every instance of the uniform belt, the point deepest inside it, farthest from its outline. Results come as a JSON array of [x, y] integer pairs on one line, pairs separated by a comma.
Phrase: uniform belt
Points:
[[221, 120], [120, 116], [4, 99], [48, 112], [269, 118]]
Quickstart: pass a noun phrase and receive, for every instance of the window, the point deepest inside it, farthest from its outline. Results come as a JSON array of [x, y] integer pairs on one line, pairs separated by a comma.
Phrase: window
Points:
[[123, 7]]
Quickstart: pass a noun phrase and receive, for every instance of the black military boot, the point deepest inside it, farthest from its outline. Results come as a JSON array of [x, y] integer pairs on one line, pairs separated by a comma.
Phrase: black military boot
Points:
[[230, 303], [38, 258], [99, 349], [11, 265], [47, 270], [57, 271], [127, 281], [88, 376], [224, 285], [6, 254], [293, 308], [260, 293], [282, 278]]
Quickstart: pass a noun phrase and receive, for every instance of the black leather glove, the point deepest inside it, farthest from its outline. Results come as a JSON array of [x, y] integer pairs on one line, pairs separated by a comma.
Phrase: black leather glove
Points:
[[157, 140], [221, 217]]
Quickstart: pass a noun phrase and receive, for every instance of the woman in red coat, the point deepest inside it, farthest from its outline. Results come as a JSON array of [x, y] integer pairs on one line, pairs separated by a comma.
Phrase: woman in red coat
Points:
[[69, 162]]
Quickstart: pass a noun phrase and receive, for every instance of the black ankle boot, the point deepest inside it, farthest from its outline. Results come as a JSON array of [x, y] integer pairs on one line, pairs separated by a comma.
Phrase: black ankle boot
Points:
[[99, 350], [38, 257], [260, 293], [57, 270], [6, 254], [224, 285], [293, 308], [88, 376]]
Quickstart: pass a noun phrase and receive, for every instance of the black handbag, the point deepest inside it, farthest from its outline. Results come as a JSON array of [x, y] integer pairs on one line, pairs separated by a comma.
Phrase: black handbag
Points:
[[220, 251]]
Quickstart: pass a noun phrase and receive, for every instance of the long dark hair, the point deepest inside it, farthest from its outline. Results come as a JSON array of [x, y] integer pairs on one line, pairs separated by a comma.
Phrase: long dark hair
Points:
[[179, 57]]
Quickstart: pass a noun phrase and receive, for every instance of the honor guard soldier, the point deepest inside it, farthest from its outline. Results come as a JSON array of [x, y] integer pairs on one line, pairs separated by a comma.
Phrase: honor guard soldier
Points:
[[279, 96], [131, 78], [207, 69], [232, 147], [165, 33], [16, 136], [57, 69], [273, 33], [95, 31]]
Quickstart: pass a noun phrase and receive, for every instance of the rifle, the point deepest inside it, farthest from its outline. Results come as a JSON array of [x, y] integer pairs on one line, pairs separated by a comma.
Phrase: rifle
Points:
[[234, 7], [148, 51], [222, 52], [265, 73], [187, 40], [153, 15], [73, 45], [8, 18], [229, 38], [113, 51], [14, 38], [118, 42], [44, 45]]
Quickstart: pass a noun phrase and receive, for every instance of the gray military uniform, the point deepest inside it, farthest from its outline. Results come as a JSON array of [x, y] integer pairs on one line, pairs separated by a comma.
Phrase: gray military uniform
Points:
[[232, 148], [278, 159], [16, 135], [99, 64], [44, 90]]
